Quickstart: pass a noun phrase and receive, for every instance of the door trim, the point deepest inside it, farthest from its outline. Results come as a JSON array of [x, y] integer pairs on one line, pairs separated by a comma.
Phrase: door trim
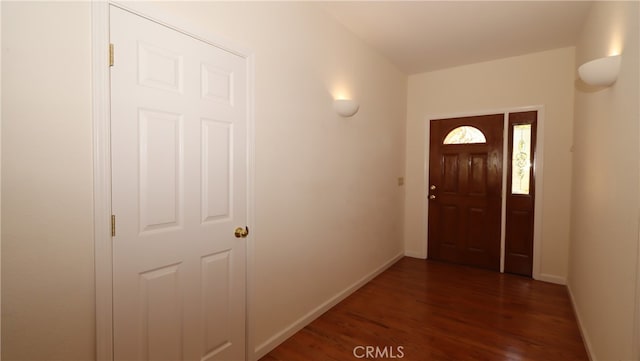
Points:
[[101, 117], [539, 167]]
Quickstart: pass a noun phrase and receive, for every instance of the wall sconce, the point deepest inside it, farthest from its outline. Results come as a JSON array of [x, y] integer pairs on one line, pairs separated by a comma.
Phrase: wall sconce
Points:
[[346, 107], [600, 72]]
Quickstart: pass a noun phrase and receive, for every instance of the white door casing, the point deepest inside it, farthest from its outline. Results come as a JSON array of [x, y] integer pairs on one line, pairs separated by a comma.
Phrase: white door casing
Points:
[[179, 189]]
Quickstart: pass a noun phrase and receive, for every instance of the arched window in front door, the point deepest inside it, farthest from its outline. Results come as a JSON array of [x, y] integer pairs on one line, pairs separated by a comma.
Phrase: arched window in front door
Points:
[[465, 134]]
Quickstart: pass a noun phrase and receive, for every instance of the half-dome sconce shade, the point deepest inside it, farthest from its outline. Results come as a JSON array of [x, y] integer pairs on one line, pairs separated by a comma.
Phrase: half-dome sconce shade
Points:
[[601, 71], [345, 107]]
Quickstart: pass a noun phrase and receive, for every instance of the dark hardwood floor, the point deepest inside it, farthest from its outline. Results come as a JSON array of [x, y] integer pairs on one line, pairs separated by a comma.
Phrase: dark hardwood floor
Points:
[[424, 310]]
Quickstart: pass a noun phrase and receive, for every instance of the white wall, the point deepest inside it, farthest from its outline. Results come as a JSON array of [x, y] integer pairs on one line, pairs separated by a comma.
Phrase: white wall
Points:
[[604, 228], [0, 183], [328, 207], [545, 79], [47, 245]]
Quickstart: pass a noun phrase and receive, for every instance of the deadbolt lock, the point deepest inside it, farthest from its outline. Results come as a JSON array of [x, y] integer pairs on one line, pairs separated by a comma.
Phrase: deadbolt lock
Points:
[[433, 187], [241, 232]]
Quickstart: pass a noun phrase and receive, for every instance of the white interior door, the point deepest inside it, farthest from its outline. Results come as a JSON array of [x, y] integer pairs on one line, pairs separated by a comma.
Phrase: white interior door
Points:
[[179, 167]]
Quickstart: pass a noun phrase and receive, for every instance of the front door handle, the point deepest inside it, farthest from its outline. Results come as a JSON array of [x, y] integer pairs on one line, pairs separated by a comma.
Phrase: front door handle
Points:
[[241, 232], [432, 197]]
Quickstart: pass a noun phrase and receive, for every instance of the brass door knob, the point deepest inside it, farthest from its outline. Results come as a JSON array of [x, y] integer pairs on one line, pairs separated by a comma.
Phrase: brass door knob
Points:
[[432, 197], [241, 232]]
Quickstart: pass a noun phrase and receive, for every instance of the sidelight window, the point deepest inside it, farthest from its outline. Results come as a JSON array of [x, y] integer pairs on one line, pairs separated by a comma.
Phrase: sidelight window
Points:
[[521, 159]]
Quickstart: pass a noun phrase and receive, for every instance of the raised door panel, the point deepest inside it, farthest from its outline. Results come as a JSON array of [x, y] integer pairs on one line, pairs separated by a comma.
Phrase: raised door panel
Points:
[[217, 84], [477, 182], [450, 224], [449, 180], [220, 81], [161, 171], [217, 170], [519, 232], [477, 231], [160, 68], [519, 247], [216, 294], [448, 230], [160, 314]]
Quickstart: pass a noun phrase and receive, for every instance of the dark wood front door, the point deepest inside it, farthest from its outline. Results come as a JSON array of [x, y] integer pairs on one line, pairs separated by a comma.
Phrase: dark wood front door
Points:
[[465, 190]]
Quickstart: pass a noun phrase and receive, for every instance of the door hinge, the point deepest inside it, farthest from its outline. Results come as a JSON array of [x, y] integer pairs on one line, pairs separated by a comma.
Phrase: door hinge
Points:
[[113, 225], [110, 54]]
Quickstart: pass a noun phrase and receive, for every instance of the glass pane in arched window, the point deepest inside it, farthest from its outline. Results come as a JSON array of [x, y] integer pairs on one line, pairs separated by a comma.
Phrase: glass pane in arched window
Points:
[[465, 135]]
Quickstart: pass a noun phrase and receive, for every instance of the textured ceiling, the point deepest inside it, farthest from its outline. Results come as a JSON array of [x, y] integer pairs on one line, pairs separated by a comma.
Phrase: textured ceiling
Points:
[[420, 36]]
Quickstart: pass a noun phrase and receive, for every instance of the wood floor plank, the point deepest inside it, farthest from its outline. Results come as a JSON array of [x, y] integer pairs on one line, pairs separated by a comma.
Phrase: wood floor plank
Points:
[[437, 311]]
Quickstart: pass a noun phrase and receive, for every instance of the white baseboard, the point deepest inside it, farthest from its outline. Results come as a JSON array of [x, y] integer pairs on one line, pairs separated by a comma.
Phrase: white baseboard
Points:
[[551, 279], [583, 332], [303, 321], [413, 254]]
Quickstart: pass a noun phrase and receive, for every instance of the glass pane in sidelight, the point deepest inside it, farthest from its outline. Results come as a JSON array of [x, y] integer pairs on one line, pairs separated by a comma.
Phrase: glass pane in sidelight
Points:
[[521, 159], [465, 135]]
